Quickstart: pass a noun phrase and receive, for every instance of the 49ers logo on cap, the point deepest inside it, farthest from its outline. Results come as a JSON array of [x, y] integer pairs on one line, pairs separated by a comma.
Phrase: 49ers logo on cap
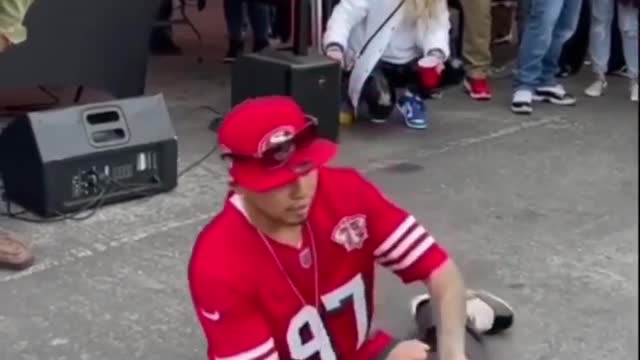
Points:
[[275, 138], [351, 232]]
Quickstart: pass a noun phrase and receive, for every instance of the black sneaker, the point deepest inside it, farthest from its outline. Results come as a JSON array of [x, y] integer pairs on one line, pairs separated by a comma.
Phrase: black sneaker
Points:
[[555, 95], [521, 102], [161, 43], [259, 45], [486, 313], [236, 48]]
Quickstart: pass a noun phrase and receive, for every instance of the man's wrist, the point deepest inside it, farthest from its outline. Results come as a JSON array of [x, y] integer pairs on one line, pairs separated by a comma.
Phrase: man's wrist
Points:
[[4, 42]]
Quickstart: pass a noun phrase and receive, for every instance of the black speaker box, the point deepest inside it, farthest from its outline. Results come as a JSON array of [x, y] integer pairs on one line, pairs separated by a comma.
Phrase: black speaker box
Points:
[[61, 161], [311, 79]]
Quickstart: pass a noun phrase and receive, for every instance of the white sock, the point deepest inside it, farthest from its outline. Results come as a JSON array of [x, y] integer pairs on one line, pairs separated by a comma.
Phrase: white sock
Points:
[[480, 315], [524, 96]]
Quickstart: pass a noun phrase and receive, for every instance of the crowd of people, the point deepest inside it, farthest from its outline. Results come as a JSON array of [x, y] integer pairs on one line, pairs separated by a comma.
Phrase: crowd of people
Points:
[[383, 46], [310, 233]]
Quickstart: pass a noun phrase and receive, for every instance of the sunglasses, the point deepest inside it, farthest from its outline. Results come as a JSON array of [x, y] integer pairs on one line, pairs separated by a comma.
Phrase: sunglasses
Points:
[[278, 153]]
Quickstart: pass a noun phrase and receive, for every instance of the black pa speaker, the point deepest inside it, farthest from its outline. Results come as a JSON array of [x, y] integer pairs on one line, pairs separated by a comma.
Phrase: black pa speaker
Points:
[[61, 161], [310, 78]]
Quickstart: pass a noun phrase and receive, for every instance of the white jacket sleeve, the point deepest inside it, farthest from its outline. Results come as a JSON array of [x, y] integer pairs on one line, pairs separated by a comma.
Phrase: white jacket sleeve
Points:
[[434, 32], [346, 14], [12, 13]]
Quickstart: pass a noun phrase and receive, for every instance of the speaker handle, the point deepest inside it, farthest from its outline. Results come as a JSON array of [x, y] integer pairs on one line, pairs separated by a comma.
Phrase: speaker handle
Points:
[[105, 126]]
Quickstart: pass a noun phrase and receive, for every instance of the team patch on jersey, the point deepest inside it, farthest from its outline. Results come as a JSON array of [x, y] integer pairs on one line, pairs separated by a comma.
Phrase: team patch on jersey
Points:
[[351, 232]]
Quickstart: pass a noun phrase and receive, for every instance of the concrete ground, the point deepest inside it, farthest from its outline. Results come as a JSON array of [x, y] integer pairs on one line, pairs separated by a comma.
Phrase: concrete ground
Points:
[[541, 210]]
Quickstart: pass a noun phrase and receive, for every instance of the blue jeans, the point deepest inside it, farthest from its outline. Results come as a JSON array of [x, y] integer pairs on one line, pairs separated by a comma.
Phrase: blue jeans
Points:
[[258, 13], [549, 24]]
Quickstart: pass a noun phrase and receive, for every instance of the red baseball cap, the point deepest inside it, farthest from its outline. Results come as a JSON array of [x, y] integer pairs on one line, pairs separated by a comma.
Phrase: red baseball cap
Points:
[[270, 142]]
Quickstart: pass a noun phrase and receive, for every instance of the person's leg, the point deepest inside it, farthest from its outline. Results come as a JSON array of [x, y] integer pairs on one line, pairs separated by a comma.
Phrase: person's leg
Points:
[[521, 17], [476, 47], [411, 102], [542, 16], [259, 18], [628, 22], [548, 88], [574, 51], [378, 95], [283, 21], [616, 64], [14, 254], [161, 42], [234, 17], [600, 43]]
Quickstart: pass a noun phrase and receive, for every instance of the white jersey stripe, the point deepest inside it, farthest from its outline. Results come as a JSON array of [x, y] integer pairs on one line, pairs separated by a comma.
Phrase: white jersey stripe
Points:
[[404, 244], [273, 356], [256, 352], [413, 255], [395, 236]]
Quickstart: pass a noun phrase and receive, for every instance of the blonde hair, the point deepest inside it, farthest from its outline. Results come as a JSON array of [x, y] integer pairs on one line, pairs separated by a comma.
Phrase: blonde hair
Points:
[[425, 8]]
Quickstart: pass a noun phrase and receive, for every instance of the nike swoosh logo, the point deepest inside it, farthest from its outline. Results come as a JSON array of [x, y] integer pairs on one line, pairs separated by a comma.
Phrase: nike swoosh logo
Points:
[[213, 316]]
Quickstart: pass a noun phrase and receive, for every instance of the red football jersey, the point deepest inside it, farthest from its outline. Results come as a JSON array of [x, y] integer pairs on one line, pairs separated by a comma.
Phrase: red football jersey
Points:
[[250, 305]]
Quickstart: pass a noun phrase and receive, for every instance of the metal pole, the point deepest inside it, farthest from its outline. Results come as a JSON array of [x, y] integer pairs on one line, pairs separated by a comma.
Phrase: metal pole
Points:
[[316, 21]]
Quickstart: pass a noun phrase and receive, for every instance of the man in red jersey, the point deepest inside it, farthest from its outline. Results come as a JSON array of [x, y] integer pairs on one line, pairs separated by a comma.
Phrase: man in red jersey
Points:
[[286, 269]]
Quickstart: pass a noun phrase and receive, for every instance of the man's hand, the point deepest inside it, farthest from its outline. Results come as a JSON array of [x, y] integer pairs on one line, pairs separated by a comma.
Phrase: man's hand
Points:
[[4, 43], [409, 350]]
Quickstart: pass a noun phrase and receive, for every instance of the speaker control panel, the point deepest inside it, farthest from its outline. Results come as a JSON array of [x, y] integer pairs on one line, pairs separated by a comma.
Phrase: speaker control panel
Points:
[[115, 174], [85, 184]]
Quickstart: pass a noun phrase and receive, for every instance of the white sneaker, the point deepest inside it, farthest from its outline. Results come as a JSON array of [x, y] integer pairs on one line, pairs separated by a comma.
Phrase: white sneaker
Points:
[[521, 102], [634, 91], [596, 89]]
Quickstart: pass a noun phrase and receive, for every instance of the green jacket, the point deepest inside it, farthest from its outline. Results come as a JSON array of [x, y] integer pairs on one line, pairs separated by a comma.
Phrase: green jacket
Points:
[[12, 14]]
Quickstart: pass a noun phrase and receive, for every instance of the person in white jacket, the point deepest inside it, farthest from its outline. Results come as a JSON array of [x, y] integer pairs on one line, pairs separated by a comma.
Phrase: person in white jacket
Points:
[[381, 43]]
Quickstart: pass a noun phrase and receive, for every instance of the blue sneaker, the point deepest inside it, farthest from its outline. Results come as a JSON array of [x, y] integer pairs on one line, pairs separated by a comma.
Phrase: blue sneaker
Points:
[[413, 111]]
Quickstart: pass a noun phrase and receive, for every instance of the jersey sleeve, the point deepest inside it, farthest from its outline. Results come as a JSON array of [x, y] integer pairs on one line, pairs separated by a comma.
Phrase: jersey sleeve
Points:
[[396, 239], [233, 325]]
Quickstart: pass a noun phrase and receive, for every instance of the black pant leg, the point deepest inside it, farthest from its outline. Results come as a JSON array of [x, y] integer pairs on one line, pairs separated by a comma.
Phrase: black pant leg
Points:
[[426, 325], [161, 35], [378, 94]]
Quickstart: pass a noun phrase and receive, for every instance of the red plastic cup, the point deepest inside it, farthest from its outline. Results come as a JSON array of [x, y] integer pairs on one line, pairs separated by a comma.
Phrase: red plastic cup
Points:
[[430, 68]]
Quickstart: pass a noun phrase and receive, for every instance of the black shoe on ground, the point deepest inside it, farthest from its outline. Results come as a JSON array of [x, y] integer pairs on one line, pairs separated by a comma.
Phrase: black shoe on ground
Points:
[[236, 48], [162, 44], [486, 313], [260, 44]]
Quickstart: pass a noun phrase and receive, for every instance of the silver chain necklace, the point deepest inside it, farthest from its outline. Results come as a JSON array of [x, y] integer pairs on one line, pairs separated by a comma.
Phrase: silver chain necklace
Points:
[[284, 272]]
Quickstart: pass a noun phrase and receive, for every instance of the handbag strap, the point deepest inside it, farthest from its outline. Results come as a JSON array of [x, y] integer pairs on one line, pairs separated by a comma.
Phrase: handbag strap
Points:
[[375, 33]]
